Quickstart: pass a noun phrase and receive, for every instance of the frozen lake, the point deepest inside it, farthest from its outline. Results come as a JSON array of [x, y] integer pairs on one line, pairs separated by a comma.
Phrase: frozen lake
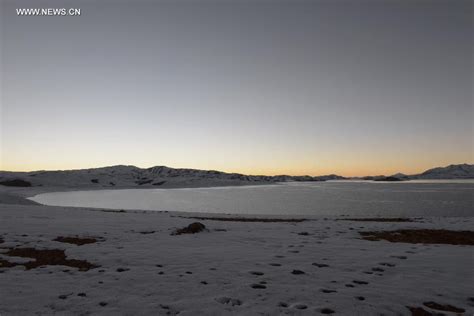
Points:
[[363, 198]]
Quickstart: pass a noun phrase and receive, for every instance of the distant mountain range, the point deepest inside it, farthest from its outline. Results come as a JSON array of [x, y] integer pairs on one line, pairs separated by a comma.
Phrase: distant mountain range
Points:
[[161, 176], [462, 171]]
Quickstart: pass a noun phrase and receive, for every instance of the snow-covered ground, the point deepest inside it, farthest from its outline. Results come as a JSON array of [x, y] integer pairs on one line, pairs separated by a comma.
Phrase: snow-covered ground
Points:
[[316, 266]]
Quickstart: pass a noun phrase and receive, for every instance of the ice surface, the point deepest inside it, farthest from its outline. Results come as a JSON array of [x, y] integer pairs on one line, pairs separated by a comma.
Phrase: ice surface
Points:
[[310, 198]]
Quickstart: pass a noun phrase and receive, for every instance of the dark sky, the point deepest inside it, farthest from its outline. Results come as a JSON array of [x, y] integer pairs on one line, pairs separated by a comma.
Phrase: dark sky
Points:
[[299, 87]]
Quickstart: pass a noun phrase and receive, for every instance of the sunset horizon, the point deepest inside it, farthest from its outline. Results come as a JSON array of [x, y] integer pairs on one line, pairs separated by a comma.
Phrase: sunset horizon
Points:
[[266, 172]]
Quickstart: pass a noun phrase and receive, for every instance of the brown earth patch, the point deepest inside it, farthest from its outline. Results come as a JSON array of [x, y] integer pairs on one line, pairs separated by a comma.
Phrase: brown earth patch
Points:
[[16, 183], [422, 236], [444, 308], [381, 219], [43, 258], [251, 219], [6, 264], [418, 311], [76, 240]]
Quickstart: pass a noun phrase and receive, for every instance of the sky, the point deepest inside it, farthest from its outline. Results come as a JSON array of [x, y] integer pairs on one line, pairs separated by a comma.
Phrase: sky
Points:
[[358, 87]]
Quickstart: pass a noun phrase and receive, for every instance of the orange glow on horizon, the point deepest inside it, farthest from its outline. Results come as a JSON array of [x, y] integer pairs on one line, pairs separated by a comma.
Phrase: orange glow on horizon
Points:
[[352, 170]]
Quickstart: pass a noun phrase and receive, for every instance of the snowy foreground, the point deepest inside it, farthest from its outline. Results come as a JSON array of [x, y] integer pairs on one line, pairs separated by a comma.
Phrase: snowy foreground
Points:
[[318, 266]]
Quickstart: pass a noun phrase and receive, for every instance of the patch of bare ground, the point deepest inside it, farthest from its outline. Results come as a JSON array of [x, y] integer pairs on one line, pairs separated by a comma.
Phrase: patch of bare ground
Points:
[[6, 264], [54, 257], [418, 311], [190, 229], [422, 236], [76, 240], [444, 308], [251, 219], [113, 211], [381, 219], [16, 183]]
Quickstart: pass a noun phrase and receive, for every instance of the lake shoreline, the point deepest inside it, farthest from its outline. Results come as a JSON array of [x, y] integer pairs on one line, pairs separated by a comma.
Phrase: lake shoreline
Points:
[[367, 199]]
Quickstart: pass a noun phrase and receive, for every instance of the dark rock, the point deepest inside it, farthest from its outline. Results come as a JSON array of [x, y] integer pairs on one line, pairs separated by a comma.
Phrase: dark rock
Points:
[[190, 229]]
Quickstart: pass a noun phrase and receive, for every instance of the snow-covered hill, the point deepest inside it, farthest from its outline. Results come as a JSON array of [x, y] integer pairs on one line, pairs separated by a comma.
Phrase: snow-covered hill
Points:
[[463, 171], [159, 176]]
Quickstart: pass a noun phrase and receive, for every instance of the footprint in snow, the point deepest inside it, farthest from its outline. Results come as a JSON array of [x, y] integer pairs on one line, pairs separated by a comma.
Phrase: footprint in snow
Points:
[[300, 306], [399, 257], [328, 291], [327, 311], [256, 273], [64, 296], [360, 282], [228, 301]]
